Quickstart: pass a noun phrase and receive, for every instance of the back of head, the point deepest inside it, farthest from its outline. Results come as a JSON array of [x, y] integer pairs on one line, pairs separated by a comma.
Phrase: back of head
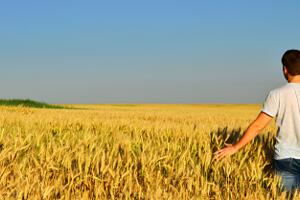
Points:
[[291, 60]]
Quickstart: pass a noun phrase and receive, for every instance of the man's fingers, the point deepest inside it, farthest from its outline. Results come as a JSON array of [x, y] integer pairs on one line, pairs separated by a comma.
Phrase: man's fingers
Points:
[[221, 153], [219, 156], [221, 150]]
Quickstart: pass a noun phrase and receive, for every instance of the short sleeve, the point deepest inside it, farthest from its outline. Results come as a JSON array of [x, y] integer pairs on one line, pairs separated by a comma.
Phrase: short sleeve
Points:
[[271, 104]]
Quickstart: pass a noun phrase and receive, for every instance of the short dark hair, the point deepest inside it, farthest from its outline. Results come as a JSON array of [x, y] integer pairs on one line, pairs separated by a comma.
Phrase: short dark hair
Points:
[[291, 60]]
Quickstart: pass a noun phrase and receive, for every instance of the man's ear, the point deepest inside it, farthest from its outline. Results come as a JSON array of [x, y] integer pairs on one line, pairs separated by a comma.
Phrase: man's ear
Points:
[[285, 72]]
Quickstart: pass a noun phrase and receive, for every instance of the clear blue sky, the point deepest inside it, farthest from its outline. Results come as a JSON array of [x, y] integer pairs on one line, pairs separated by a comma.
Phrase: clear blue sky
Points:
[[145, 51]]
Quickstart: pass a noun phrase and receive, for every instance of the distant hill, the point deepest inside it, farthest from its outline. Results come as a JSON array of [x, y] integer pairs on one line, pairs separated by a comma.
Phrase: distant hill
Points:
[[27, 103]]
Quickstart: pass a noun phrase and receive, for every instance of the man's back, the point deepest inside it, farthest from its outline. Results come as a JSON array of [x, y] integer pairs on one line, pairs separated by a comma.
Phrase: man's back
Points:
[[283, 103]]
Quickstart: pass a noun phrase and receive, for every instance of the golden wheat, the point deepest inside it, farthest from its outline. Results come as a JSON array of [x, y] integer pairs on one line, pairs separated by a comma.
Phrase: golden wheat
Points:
[[133, 152]]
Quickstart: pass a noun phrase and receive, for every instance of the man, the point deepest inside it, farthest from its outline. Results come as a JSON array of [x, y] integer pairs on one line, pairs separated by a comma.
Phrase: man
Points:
[[282, 103]]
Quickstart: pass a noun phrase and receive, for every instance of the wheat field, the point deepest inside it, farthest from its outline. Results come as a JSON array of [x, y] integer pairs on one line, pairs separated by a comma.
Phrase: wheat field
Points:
[[133, 152]]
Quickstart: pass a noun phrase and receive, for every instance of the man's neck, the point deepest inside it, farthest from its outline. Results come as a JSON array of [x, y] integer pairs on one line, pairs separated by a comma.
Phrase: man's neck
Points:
[[294, 79]]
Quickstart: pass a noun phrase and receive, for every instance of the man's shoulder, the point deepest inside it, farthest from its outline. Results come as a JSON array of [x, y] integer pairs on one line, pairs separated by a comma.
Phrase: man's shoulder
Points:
[[280, 89]]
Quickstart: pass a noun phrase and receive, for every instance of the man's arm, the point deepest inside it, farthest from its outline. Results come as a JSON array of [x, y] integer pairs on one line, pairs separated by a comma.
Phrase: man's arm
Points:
[[252, 131]]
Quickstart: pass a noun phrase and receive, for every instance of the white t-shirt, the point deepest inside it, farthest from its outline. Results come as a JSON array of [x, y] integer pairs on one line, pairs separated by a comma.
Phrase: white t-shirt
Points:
[[283, 103]]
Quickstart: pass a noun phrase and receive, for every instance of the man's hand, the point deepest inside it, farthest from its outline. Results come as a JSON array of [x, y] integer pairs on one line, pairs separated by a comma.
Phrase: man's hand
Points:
[[254, 128], [229, 150]]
